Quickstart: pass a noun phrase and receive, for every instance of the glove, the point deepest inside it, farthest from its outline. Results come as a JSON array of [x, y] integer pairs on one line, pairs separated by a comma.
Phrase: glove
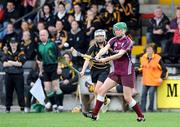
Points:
[[90, 87]]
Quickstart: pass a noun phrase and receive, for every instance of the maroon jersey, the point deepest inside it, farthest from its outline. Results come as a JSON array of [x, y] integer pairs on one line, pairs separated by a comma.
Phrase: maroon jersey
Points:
[[123, 65]]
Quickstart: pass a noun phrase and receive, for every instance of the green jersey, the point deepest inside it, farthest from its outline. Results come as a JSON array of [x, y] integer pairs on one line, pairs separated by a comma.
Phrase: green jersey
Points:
[[48, 52]]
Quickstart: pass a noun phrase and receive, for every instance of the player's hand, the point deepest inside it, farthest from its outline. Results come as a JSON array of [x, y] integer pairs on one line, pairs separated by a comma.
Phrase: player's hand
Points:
[[96, 58], [82, 73], [102, 60]]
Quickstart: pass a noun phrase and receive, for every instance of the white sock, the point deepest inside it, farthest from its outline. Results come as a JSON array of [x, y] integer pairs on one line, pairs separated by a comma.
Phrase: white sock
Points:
[[100, 98], [132, 103]]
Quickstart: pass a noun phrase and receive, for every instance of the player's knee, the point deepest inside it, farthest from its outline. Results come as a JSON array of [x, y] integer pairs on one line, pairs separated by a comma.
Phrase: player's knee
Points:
[[56, 87], [47, 89], [101, 91], [127, 99], [96, 91]]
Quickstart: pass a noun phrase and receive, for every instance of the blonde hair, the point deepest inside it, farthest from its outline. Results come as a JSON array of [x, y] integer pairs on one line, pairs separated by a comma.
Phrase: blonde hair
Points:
[[92, 42]]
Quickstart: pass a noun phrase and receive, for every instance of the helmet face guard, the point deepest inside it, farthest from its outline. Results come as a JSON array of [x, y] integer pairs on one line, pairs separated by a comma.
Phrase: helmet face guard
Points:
[[119, 26], [100, 32]]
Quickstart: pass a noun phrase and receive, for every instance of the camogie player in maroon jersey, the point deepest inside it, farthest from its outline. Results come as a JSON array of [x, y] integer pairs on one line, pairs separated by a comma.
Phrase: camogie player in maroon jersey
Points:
[[122, 71]]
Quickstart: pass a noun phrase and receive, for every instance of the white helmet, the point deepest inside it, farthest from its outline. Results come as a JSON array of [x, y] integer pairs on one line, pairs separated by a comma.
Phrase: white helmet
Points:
[[100, 32]]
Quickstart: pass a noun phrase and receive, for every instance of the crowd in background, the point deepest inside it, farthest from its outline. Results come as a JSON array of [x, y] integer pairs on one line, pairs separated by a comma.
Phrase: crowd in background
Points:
[[73, 22]]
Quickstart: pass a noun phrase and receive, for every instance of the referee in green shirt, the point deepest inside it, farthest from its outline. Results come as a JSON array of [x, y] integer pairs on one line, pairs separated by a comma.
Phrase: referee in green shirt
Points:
[[48, 54]]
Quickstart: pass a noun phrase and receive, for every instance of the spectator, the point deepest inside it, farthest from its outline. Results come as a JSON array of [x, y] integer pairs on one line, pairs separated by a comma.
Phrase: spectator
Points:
[[94, 8], [11, 13], [129, 11], [47, 16], [2, 10], [92, 23], [40, 26], [28, 46], [28, 6], [61, 34], [76, 40], [176, 43], [84, 3], [153, 73], [173, 24], [67, 3], [62, 14], [68, 78], [78, 14], [109, 17], [34, 74], [10, 33], [52, 31], [24, 27], [157, 29], [12, 62], [71, 18], [172, 27], [3, 22]]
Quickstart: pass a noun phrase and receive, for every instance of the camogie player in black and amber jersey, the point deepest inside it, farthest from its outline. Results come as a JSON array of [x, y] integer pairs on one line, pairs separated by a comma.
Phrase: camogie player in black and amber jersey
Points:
[[99, 71]]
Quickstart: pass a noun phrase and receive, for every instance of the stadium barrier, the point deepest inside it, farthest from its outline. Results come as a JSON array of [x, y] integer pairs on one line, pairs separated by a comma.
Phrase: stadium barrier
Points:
[[117, 100]]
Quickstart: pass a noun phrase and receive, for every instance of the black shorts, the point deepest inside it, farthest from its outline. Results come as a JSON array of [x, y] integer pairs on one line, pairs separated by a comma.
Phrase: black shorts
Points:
[[50, 72], [99, 74]]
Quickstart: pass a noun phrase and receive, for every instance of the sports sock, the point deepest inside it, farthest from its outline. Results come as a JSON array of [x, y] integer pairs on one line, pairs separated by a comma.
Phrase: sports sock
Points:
[[52, 99], [61, 98], [49, 96], [135, 106], [58, 96], [99, 102]]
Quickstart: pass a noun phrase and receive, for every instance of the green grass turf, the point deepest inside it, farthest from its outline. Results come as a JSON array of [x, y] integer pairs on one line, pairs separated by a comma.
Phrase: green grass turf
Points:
[[68, 119]]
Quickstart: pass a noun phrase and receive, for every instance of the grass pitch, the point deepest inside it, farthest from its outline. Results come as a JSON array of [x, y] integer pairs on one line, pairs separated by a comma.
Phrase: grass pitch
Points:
[[68, 119]]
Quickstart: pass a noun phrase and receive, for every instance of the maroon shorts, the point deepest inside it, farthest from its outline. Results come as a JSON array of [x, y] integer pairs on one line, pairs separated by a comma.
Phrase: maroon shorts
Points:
[[125, 80]]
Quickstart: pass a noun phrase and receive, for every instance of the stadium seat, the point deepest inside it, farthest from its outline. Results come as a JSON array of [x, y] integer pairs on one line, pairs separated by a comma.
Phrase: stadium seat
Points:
[[137, 50]]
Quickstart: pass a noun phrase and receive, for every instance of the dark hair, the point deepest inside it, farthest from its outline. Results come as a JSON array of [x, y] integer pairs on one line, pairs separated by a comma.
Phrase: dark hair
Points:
[[62, 4], [50, 8], [68, 53], [11, 1], [153, 46]]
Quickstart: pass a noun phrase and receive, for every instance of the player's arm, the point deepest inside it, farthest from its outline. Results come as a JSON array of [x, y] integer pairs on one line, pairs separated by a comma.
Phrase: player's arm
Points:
[[85, 65], [113, 57], [103, 51], [87, 61]]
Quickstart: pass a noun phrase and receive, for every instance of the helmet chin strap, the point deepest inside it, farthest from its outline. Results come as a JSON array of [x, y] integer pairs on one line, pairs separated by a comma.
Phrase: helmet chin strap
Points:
[[100, 42], [122, 35]]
